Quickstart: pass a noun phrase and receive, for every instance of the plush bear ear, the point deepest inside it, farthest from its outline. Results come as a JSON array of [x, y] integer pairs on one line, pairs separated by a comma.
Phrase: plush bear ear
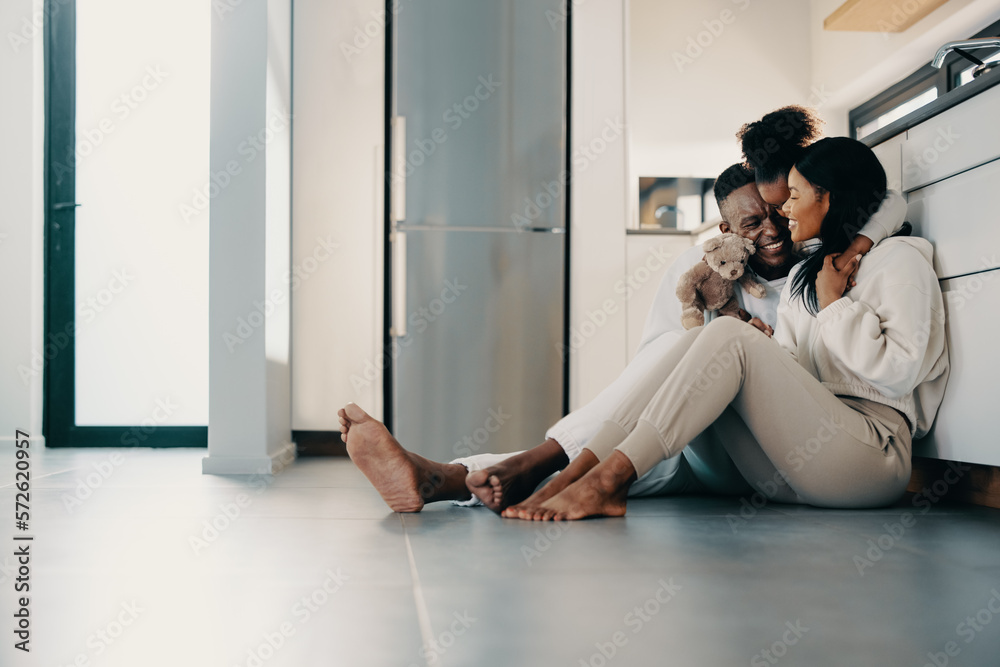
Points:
[[751, 248], [713, 243]]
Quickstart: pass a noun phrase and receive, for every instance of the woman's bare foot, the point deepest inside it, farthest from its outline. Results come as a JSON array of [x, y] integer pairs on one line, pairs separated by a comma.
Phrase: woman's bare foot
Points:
[[406, 481], [513, 479], [601, 492], [533, 504]]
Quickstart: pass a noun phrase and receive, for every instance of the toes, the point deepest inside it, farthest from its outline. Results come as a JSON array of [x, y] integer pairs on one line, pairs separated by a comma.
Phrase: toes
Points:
[[477, 478], [354, 413], [513, 512]]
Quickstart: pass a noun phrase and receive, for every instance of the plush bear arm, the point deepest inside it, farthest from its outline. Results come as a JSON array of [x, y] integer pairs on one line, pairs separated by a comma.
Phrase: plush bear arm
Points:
[[752, 287]]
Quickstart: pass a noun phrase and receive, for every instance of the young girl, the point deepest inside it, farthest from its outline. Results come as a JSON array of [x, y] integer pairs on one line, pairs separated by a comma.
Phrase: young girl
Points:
[[824, 412]]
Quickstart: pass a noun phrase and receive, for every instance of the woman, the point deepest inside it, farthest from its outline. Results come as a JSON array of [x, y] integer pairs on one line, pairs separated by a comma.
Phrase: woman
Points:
[[822, 414]]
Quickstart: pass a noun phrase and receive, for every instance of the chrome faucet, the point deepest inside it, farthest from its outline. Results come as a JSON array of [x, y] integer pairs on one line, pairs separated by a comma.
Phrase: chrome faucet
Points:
[[959, 48]]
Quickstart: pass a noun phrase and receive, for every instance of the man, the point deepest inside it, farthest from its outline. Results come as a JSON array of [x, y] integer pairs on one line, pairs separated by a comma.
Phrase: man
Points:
[[407, 481]]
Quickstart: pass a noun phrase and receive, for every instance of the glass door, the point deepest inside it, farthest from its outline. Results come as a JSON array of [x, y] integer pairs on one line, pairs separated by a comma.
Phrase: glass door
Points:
[[127, 195]]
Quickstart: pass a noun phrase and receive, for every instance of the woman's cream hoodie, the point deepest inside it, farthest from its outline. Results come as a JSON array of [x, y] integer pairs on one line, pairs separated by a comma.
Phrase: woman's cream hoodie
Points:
[[884, 340]]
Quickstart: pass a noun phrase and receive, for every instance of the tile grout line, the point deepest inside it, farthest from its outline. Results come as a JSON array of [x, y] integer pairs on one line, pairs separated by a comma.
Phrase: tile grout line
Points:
[[58, 472], [423, 616]]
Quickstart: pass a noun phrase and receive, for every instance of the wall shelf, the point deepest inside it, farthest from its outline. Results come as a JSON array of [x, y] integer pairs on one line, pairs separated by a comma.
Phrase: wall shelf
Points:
[[879, 15]]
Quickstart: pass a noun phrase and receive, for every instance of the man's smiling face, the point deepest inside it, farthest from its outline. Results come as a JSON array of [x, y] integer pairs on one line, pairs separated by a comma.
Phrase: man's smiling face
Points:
[[746, 214]]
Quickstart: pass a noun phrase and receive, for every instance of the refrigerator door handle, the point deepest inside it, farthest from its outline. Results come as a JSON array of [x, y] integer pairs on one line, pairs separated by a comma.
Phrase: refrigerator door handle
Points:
[[397, 213], [398, 240], [397, 203]]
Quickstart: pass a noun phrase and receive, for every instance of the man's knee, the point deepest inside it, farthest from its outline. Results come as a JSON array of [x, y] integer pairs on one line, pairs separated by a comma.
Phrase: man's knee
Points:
[[727, 327]]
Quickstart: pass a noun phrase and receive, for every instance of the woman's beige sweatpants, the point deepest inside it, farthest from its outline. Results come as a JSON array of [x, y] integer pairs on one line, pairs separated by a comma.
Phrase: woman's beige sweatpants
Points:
[[791, 437]]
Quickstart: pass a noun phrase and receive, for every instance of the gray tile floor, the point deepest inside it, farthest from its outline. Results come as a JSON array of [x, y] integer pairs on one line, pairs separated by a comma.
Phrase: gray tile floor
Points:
[[310, 568]]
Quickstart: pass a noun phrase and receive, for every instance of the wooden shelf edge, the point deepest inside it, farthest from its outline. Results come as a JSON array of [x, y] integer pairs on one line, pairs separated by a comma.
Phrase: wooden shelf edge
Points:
[[879, 15]]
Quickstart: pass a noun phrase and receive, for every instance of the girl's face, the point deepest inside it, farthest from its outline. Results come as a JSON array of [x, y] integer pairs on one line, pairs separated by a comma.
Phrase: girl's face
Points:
[[805, 207], [774, 194]]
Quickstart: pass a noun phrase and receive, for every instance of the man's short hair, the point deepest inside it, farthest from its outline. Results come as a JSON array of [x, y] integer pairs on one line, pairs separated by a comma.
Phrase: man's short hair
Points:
[[733, 178]]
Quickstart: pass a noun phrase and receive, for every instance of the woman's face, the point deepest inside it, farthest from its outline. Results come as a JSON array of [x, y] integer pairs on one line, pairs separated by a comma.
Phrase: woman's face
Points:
[[805, 207]]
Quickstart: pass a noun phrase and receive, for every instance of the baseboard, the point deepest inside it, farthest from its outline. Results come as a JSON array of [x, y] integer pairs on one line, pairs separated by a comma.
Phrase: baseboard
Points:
[[249, 465], [962, 482], [319, 443]]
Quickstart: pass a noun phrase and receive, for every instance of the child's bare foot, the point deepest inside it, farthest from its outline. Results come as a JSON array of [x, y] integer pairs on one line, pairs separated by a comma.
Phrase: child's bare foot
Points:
[[600, 492], [404, 480], [574, 471], [513, 479]]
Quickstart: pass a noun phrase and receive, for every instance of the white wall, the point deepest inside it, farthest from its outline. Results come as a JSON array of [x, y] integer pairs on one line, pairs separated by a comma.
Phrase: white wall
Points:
[[852, 67], [698, 71], [337, 194], [21, 220]]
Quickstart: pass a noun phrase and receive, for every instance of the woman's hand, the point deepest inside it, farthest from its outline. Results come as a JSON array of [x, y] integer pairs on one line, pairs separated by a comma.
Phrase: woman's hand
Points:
[[831, 283]]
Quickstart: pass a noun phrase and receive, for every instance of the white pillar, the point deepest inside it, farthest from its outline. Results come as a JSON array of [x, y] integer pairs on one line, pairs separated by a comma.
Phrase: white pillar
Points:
[[249, 423], [599, 205]]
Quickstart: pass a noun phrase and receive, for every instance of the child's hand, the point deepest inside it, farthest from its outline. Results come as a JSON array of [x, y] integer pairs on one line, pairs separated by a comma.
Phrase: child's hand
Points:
[[757, 322], [831, 282], [859, 246]]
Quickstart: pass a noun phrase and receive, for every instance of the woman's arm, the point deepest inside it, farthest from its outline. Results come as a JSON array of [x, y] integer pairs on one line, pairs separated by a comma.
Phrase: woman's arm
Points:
[[885, 222]]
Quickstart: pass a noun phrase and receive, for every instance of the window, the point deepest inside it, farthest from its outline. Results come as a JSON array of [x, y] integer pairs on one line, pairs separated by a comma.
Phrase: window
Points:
[[917, 90], [965, 75], [897, 112]]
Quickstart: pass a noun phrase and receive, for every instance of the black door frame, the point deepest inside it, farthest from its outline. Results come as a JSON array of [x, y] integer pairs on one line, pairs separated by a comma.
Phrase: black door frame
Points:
[[58, 352]]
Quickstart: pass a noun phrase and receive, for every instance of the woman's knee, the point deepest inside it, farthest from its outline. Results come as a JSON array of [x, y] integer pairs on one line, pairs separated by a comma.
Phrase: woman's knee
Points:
[[729, 332], [727, 326]]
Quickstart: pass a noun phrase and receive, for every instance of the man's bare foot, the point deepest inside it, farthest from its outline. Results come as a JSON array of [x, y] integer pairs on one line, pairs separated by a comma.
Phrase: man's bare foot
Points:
[[533, 504], [406, 481], [513, 480], [601, 492]]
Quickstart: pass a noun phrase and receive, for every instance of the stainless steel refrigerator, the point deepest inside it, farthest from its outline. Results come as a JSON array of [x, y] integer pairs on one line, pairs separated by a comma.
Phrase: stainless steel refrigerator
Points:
[[478, 187]]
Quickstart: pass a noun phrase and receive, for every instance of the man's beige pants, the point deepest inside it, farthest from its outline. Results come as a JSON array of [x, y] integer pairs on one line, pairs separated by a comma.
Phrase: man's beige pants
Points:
[[791, 437]]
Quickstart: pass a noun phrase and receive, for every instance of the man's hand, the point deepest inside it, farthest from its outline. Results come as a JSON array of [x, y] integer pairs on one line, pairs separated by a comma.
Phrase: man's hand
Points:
[[831, 282], [757, 322]]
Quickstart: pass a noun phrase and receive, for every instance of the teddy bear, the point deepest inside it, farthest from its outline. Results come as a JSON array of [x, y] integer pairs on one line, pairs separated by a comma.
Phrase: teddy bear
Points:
[[710, 284]]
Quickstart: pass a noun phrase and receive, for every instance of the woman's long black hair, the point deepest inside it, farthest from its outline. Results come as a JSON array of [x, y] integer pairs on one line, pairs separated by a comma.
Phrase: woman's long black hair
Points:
[[852, 175]]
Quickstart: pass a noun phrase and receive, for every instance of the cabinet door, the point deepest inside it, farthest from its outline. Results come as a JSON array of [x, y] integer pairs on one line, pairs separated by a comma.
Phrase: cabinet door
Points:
[[961, 431]]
